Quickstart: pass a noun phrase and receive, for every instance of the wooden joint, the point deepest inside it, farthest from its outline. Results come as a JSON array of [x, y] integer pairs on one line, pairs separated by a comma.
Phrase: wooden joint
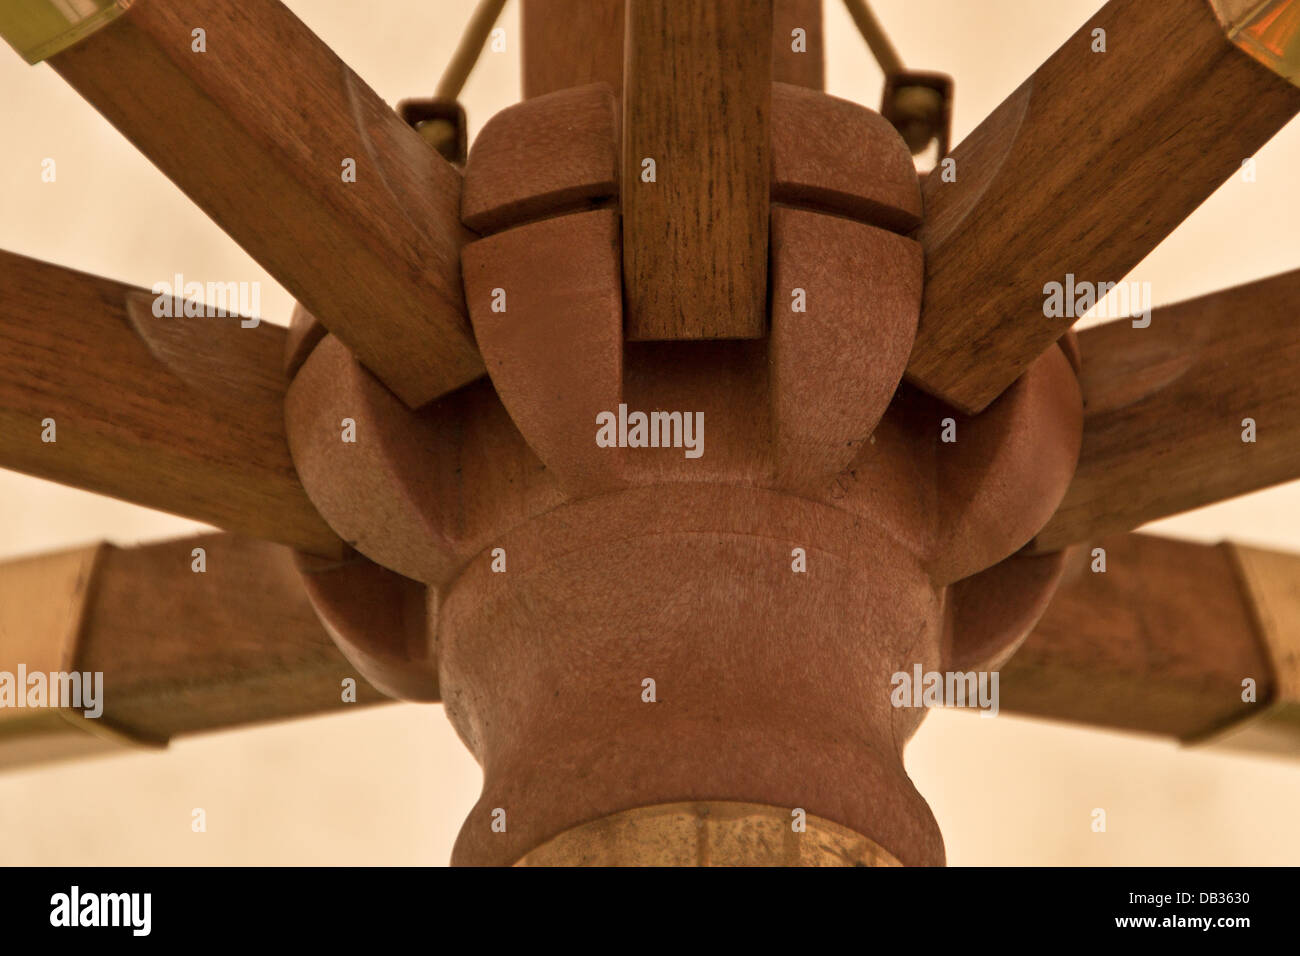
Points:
[[1271, 589], [49, 707]]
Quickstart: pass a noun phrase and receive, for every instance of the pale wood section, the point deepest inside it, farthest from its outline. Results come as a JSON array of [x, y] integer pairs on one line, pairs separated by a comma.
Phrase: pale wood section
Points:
[[42, 608], [256, 131], [1271, 581], [1165, 405], [183, 414], [713, 833], [551, 154], [1084, 169], [1159, 643], [571, 43], [180, 651], [696, 101]]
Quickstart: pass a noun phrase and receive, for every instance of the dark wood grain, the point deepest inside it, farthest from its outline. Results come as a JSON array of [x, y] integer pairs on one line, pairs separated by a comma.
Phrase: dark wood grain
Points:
[[1164, 405], [1084, 169], [255, 131], [181, 414], [1159, 643], [697, 93]]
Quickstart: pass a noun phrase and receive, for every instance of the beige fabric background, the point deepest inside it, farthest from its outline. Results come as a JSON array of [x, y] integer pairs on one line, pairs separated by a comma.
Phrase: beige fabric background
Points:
[[391, 785]]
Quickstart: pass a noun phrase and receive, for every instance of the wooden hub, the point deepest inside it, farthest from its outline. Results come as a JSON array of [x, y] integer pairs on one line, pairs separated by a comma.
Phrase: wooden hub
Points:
[[673, 571]]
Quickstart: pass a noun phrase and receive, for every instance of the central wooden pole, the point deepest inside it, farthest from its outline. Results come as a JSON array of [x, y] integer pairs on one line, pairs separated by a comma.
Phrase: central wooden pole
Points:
[[657, 685]]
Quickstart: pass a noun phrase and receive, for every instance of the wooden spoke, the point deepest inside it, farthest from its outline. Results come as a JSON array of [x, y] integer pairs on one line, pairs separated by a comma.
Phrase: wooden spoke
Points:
[[1168, 409], [181, 651], [263, 128], [1162, 642], [183, 414], [696, 168], [1082, 171]]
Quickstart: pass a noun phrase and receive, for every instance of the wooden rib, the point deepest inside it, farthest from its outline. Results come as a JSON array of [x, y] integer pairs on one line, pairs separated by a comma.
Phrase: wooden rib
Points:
[[1164, 407], [1159, 643], [255, 131], [1084, 170], [696, 100], [180, 414], [181, 652]]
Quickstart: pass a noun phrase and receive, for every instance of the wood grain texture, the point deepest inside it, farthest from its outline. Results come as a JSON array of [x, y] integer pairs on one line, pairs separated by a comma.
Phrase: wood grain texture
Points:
[[180, 414], [181, 652], [551, 154], [1084, 169], [571, 43], [256, 131], [1164, 407], [696, 101], [1270, 581], [1159, 643]]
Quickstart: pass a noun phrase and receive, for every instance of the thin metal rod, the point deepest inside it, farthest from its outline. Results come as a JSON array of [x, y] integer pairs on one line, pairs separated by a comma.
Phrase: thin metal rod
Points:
[[467, 51], [874, 34]]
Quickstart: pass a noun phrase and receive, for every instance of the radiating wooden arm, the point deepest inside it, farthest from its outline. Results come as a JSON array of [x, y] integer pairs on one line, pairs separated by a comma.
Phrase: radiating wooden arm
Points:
[[181, 651], [1163, 642], [183, 414], [1083, 170], [303, 165], [1166, 410]]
